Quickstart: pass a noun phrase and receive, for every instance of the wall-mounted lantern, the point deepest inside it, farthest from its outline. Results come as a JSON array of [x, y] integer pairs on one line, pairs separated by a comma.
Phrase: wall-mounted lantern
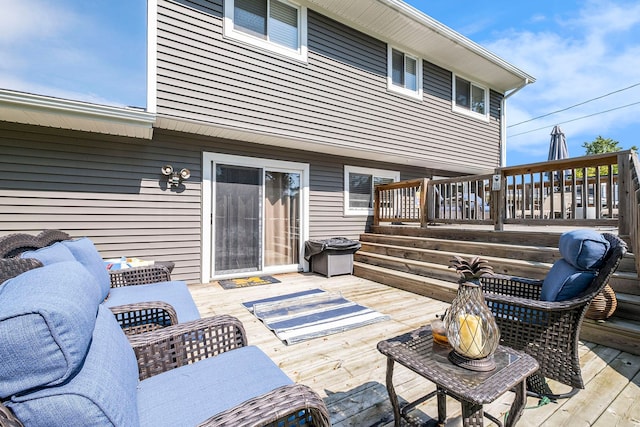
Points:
[[175, 178]]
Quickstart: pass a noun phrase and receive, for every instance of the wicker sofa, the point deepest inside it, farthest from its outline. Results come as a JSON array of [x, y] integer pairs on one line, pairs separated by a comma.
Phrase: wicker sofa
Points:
[[143, 298], [66, 361]]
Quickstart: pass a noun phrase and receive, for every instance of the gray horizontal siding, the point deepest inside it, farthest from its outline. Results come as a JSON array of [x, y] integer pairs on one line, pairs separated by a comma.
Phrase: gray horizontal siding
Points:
[[106, 188], [110, 189], [339, 95]]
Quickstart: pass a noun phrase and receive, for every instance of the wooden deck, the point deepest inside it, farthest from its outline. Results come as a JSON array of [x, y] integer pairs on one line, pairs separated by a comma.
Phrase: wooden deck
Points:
[[349, 373]]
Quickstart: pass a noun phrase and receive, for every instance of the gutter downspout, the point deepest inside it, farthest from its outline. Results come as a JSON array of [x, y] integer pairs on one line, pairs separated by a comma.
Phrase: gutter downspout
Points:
[[503, 122]]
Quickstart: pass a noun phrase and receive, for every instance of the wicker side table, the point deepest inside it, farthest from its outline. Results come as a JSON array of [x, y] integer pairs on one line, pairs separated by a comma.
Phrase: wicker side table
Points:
[[417, 351]]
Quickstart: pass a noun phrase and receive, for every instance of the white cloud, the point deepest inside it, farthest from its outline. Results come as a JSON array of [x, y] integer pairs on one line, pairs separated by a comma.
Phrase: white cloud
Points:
[[25, 20], [581, 58]]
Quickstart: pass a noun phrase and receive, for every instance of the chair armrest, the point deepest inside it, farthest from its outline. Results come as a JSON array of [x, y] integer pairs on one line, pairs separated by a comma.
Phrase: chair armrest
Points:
[[140, 275], [143, 317], [511, 285], [293, 404], [176, 345]]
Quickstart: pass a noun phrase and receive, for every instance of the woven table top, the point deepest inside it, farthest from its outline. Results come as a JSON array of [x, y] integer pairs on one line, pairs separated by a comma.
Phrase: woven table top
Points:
[[417, 351]]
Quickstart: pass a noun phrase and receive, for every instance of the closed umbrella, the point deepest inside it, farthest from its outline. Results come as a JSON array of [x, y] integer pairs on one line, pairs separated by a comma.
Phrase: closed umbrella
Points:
[[558, 149], [558, 145]]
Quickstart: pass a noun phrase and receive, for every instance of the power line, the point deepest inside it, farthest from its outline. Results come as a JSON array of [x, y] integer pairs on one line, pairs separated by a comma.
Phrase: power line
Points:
[[573, 106], [578, 118]]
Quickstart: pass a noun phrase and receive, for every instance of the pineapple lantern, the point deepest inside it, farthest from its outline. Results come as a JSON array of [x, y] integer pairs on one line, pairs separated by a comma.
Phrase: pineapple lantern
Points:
[[469, 324]]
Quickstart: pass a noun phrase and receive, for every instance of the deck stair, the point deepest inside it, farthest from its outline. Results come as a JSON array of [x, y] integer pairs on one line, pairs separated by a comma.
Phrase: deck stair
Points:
[[417, 260]]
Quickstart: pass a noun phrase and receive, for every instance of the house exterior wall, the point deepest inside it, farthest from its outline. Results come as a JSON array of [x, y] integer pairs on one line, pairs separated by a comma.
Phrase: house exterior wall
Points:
[[338, 97], [110, 189]]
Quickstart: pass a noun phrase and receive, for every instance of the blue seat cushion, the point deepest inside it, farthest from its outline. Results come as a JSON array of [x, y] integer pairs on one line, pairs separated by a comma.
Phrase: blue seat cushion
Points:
[[175, 293], [102, 393], [86, 253], [584, 249], [564, 281], [47, 317], [50, 254], [207, 387]]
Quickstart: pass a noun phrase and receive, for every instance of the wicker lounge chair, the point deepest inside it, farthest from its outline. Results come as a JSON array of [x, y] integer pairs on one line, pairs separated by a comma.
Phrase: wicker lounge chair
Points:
[[189, 371], [547, 330]]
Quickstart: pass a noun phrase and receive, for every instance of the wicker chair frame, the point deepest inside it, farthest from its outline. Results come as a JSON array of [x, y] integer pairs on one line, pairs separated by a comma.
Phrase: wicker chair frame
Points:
[[13, 245], [186, 343], [49, 237], [548, 331]]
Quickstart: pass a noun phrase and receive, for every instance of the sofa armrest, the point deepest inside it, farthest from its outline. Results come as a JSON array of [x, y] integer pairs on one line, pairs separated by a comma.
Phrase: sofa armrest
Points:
[[140, 275], [293, 404], [185, 343], [511, 285], [143, 317]]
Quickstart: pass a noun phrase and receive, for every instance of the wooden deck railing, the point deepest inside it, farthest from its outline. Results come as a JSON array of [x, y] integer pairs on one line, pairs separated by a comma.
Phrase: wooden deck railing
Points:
[[597, 190]]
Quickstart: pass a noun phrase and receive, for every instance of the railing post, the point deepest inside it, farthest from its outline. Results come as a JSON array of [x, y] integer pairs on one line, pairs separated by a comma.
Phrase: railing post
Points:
[[376, 206], [624, 193], [499, 201], [423, 202]]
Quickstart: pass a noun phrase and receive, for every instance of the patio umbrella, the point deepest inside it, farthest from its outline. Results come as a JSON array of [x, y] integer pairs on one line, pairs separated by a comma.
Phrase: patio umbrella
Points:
[[558, 145], [558, 149]]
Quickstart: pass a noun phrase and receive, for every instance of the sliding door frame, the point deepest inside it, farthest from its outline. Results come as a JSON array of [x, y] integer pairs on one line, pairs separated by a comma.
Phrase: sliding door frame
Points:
[[210, 160]]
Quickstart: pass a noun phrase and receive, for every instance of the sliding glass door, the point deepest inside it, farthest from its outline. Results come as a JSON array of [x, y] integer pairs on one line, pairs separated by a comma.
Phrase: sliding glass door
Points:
[[257, 216]]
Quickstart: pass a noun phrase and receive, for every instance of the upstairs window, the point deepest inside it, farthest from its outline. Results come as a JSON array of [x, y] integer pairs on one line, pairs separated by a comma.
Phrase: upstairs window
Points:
[[359, 184], [469, 97], [404, 73], [276, 25]]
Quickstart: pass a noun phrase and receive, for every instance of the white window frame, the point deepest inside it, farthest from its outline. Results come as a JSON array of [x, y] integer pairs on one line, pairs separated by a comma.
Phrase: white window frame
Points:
[[399, 89], [467, 111], [232, 33], [380, 173]]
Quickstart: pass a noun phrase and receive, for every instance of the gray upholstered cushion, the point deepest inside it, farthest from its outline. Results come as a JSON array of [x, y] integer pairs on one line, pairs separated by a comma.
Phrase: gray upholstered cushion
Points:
[[47, 318], [207, 387], [584, 249], [102, 393], [564, 281]]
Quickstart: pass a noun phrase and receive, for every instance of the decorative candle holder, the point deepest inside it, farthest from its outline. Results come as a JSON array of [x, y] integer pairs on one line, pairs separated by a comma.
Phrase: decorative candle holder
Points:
[[470, 327]]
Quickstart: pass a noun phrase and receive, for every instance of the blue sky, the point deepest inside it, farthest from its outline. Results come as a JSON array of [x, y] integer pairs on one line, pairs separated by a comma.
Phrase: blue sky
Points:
[[577, 50]]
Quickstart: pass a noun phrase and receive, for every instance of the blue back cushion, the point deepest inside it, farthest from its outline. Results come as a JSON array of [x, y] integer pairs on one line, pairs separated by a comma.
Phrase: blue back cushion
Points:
[[102, 393], [46, 320], [50, 254], [584, 249], [564, 281], [86, 253]]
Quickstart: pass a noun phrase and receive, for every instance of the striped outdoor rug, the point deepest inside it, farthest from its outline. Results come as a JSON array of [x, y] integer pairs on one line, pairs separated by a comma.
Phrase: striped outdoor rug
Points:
[[310, 314]]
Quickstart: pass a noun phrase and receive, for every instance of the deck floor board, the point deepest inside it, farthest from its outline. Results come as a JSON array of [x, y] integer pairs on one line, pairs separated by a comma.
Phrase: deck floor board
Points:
[[348, 372]]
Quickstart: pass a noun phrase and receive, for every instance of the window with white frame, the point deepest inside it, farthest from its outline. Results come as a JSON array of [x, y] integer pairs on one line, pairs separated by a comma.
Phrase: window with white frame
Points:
[[469, 97], [404, 73], [276, 25], [358, 188]]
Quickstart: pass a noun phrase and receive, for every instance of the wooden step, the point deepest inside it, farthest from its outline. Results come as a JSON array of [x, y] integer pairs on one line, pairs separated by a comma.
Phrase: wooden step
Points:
[[621, 334], [434, 263], [628, 306], [542, 254], [529, 251], [513, 267], [442, 290]]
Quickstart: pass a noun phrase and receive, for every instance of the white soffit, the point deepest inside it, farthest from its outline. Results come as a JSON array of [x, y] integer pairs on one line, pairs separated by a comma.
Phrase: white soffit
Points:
[[26, 108], [400, 24]]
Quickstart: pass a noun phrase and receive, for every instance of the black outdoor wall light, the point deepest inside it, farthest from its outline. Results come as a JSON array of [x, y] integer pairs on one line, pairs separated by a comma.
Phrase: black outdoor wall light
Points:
[[175, 178]]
